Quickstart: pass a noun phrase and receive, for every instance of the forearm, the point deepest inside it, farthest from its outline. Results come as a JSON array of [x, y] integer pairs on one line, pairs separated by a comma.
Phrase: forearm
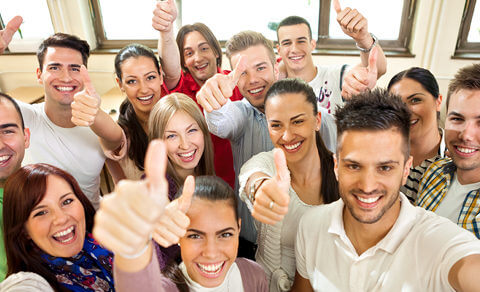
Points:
[[136, 264], [169, 52], [463, 275], [109, 132], [225, 122]]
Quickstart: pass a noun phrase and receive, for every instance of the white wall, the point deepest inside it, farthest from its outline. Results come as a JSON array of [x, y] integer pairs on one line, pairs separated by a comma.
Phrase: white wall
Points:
[[434, 37]]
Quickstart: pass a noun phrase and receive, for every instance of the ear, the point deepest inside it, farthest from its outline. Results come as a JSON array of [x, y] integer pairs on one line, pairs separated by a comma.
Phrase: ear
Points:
[[319, 121], [39, 76], [239, 223], [438, 103], [276, 72], [119, 83], [313, 43], [406, 169], [26, 136], [335, 167]]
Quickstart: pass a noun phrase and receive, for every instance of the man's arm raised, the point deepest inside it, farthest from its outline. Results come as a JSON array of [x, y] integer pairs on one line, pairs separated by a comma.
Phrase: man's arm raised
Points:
[[164, 16], [6, 35], [463, 275]]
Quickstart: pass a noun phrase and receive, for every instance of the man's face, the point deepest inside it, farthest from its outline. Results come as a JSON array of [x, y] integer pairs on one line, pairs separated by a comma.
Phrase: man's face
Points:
[[462, 131], [13, 140], [259, 74], [61, 75], [370, 169], [295, 46]]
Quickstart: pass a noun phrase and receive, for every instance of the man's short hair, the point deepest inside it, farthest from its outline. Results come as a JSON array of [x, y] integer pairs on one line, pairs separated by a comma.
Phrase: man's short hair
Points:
[[375, 110], [466, 78], [294, 20], [206, 33], [63, 40], [4, 96], [246, 39]]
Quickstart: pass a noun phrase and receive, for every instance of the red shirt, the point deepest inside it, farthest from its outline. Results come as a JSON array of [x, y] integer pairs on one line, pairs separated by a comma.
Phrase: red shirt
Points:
[[222, 149]]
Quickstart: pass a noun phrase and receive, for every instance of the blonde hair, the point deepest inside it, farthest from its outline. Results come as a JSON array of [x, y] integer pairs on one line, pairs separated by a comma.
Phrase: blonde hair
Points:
[[246, 39], [163, 111]]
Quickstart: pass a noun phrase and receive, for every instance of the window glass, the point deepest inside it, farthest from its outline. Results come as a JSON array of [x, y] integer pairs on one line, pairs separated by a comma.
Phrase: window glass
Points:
[[36, 24], [474, 33]]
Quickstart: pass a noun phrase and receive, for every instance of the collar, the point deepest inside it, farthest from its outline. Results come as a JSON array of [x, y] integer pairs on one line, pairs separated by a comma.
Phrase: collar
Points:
[[257, 112], [405, 221]]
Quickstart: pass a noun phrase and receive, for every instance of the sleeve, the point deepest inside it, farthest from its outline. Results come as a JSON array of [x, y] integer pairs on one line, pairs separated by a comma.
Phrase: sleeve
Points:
[[328, 130], [227, 122], [119, 153], [300, 250], [148, 279], [253, 275], [262, 162], [28, 113]]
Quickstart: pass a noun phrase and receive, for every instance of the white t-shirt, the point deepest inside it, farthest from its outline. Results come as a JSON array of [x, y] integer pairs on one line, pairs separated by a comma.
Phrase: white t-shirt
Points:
[[416, 254], [327, 86], [232, 282], [76, 150], [452, 203]]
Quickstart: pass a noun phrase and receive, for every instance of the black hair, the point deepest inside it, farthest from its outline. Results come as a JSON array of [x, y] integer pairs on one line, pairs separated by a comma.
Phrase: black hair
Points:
[[375, 110], [329, 188], [422, 76], [63, 40], [15, 104], [127, 118], [294, 20]]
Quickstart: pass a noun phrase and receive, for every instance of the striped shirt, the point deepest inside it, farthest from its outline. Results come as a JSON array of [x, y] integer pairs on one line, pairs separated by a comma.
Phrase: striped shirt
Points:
[[434, 186]]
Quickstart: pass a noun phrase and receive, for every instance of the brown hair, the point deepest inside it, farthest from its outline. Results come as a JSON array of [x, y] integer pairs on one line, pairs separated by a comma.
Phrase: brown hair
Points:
[[25, 189], [466, 78], [63, 40], [163, 111], [206, 33], [246, 39]]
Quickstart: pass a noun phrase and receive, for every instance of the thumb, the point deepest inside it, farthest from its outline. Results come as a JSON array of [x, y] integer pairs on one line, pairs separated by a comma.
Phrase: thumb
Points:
[[238, 70], [186, 198], [12, 26], [155, 169], [87, 82], [336, 6], [283, 175], [372, 61]]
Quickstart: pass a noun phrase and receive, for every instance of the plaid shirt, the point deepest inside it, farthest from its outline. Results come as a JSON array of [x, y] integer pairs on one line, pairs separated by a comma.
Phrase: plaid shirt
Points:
[[433, 187]]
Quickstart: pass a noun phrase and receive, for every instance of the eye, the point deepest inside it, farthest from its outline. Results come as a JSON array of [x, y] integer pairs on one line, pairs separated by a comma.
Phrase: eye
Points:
[[170, 136], [298, 122], [131, 81], [275, 125], [226, 235], [151, 77], [188, 54], [353, 166], [7, 131], [67, 201], [455, 119], [286, 44], [193, 236], [192, 130], [53, 68], [75, 69], [261, 68], [385, 168], [40, 213], [415, 100], [205, 49]]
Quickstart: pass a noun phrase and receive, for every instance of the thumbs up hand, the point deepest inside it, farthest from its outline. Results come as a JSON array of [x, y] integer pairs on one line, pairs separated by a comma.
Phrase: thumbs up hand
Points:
[[360, 78], [174, 222], [86, 103], [6, 34], [219, 88], [164, 15], [353, 24], [272, 198], [127, 217]]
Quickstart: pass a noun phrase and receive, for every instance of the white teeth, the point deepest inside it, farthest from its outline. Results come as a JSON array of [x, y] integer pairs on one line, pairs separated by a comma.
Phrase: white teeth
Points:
[[466, 150], [65, 88], [63, 233], [368, 200], [145, 97], [212, 268], [294, 146], [202, 66], [188, 154], [296, 58], [412, 122], [253, 91], [4, 158]]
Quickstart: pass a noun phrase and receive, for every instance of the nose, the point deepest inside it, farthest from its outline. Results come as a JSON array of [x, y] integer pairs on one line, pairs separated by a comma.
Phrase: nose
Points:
[[367, 181], [183, 142], [287, 135], [210, 249], [60, 217], [467, 134], [252, 78], [65, 75], [143, 87]]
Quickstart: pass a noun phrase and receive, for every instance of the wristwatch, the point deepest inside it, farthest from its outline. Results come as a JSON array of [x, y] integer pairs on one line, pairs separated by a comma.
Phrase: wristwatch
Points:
[[375, 41]]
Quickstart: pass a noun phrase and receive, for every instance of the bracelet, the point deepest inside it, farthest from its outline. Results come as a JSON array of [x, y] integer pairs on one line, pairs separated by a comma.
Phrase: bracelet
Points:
[[135, 255], [375, 41], [253, 189]]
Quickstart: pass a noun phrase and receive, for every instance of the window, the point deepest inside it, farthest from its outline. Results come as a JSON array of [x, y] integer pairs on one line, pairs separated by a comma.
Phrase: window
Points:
[[36, 26], [118, 23], [469, 36]]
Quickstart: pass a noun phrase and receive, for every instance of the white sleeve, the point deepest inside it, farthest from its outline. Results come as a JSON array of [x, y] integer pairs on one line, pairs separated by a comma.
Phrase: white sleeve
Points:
[[227, 122], [300, 250], [262, 162]]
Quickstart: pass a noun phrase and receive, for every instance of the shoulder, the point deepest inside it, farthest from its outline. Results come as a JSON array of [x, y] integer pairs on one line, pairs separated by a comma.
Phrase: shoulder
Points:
[[252, 274], [438, 167]]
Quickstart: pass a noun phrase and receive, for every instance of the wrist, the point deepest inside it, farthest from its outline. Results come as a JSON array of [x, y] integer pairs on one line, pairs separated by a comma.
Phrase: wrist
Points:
[[367, 44], [255, 185]]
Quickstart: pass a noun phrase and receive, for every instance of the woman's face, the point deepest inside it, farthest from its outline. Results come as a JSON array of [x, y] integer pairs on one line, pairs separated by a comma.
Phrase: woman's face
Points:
[[292, 125], [200, 59], [57, 224], [210, 245], [422, 105], [185, 142], [141, 82]]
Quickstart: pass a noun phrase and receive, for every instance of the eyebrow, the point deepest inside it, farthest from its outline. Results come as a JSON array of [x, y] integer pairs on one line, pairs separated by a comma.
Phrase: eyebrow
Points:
[[43, 206], [460, 115], [260, 64], [191, 125], [199, 45], [348, 160], [60, 64], [216, 233], [291, 119], [9, 125], [133, 76], [413, 95]]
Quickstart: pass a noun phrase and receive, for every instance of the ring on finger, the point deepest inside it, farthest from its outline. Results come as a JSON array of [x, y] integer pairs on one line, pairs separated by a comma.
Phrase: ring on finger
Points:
[[271, 205]]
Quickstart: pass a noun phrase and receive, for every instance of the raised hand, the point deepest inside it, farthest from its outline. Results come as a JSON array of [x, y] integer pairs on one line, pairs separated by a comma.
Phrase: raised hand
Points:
[[127, 217], [360, 78], [174, 222], [6, 35], [272, 198], [86, 103], [353, 24], [164, 15], [218, 89]]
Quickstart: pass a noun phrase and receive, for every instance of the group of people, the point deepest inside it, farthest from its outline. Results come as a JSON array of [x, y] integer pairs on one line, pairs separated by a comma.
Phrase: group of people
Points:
[[279, 175]]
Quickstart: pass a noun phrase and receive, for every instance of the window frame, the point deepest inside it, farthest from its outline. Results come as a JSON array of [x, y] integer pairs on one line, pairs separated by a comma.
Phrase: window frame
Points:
[[463, 46], [324, 43]]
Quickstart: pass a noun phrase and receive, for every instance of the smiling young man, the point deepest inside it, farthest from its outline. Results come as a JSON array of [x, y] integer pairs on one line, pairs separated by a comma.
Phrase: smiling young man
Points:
[[69, 128], [450, 187], [373, 239], [14, 138]]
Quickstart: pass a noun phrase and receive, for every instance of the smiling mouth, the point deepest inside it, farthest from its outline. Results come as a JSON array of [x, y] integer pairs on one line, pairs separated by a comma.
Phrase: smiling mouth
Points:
[[292, 147], [413, 122], [65, 88], [295, 58], [188, 156], [4, 159], [66, 236], [465, 150], [211, 270], [201, 67], [256, 90], [145, 98]]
